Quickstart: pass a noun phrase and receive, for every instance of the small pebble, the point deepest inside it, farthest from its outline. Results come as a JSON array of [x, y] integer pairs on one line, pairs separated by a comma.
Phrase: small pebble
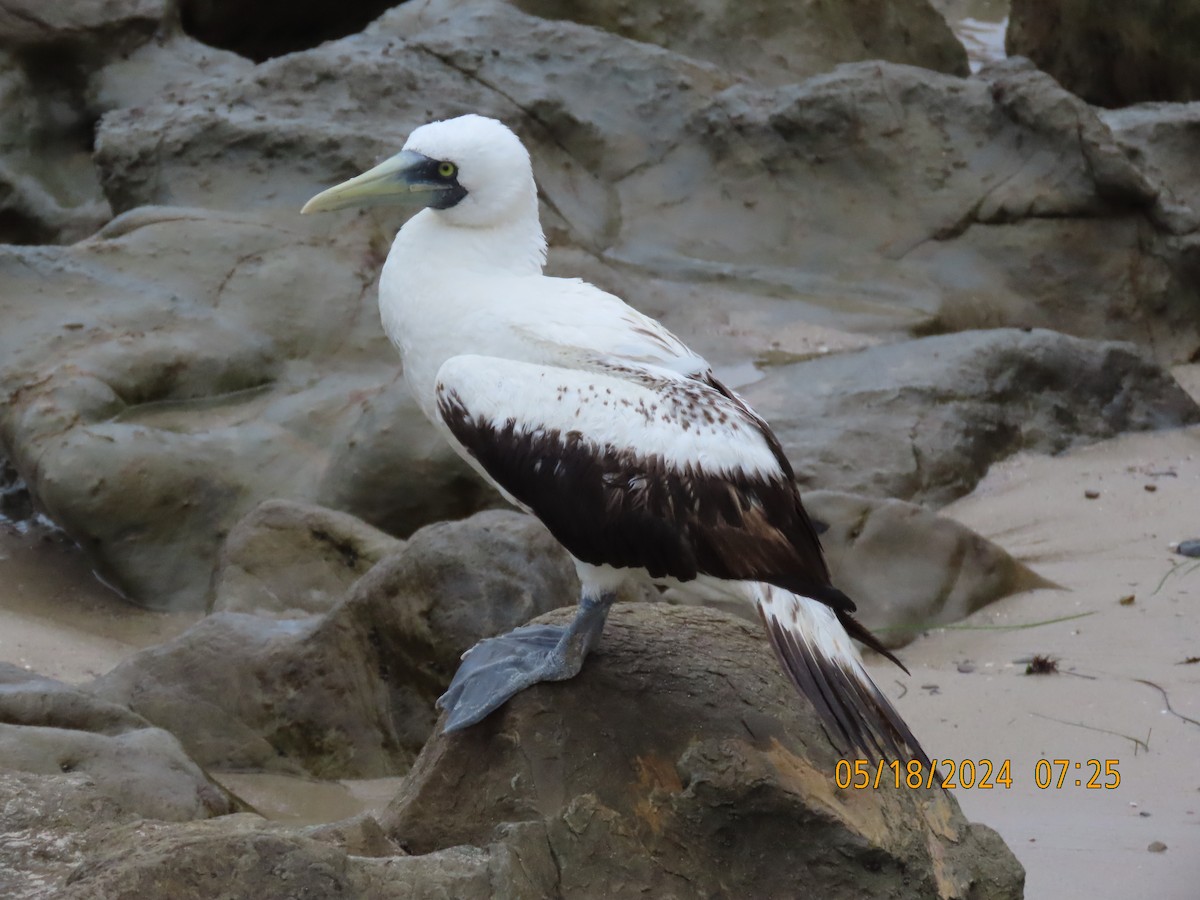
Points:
[[1091, 495], [1157, 847], [966, 667], [1189, 548]]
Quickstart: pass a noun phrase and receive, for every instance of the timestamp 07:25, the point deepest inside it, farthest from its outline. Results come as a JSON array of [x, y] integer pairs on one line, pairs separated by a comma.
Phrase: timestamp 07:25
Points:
[[981, 774]]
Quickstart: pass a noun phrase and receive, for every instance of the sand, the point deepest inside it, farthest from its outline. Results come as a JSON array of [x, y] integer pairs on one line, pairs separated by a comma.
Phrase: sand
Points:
[[1077, 842], [968, 697]]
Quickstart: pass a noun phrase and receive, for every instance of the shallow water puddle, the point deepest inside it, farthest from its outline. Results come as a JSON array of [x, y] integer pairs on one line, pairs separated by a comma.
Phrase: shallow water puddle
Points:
[[306, 801]]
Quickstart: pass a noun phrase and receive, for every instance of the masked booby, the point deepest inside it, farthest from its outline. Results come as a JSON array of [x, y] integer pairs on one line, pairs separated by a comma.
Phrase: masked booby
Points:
[[604, 425]]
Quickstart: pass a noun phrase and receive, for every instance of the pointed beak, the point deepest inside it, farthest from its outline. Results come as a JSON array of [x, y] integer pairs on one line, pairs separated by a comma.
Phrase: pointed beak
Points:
[[407, 176]]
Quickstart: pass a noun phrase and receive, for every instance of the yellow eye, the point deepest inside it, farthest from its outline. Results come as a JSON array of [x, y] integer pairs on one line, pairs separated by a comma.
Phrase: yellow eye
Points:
[[447, 169]]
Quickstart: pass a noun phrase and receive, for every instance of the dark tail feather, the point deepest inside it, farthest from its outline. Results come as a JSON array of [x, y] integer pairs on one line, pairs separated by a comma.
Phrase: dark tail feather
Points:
[[825, 668]]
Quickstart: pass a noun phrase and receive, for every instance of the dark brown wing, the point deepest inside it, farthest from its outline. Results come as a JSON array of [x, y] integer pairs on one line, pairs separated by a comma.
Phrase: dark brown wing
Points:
[[627, 505]]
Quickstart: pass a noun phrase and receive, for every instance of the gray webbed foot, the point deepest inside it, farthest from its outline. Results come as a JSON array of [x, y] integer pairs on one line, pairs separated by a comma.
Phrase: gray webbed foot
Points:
[[497, 668]]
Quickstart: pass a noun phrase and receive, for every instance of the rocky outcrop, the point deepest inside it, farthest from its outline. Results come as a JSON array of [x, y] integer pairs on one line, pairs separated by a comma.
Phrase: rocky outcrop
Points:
[[291, 559], [1161, 139], [63, 735], [1112, 53], [680, 762], [909, 569], [62, 65], [174, 395], [924, 419], [348, 694], [776, 43]]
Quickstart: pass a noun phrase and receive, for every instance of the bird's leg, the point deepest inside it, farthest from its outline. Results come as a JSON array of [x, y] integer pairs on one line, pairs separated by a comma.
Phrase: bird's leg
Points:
[[497, 668]]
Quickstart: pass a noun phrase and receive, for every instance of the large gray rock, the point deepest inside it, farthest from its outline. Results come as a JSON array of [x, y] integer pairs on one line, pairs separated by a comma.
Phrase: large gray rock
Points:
[[247, 857], [64, 839], [924, 419], [1109, 52], [776, 42], [292, 559], [349, 694], [909, 569], [49, 49], [1163, 139], [61, 734], [681, 763], [173, 394], [99, 28]]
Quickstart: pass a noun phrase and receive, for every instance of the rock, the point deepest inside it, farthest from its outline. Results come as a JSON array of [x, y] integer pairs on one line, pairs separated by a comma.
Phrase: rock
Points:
[[909, 569], [875, 238], [923, 420], [54, 731], [245, 692], [776, 43], [1112, 53], [291, 559], [44, 822], [716, 767], [27, 698], [48, 51], [102, 28], [145, 771], [62, 838], [1160, 139], [191, 391], [48, 186], [349, 694], [157, 70], [250, 858]]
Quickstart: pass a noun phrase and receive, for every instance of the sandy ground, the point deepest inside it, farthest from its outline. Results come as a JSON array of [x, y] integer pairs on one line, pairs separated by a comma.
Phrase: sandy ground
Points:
[[58, 619], [1120, 664], [1121, 661]]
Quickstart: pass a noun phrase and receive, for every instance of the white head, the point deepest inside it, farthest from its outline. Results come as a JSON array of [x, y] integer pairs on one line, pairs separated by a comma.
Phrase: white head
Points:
[[491, 167], [472, 170]]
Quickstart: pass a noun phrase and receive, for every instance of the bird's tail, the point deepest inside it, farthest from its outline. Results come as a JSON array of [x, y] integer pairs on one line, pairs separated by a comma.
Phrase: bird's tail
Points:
[[812, 642]]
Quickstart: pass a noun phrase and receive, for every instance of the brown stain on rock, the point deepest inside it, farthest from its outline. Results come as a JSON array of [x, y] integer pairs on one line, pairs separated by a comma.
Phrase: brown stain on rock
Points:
[[656, 777]]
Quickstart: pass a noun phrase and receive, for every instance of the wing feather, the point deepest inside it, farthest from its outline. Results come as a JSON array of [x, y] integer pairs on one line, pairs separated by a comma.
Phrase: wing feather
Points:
[[638, 466]]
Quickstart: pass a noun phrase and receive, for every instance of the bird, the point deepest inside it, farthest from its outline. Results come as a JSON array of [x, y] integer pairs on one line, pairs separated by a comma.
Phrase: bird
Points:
[[603, 424]]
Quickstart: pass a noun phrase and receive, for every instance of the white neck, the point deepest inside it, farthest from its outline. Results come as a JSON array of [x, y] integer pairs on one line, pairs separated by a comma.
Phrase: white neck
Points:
[[516, 246], [430, 290]]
